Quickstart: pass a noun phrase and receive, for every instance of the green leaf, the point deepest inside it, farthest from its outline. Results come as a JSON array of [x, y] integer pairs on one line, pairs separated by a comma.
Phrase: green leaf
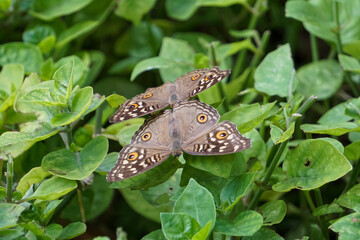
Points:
[[352, 152], [23, 53], [350, 199], [53, 230], [108, 163], [178, 225], [307, 167], [93, 15], [265, 233], [328, 209], [197, 202], [258, 147], [35, 175], [9, 214], [246, 117], [13, 233], [39, 133], [337, 114], [235, 190], [347, 226], [245, 224], [81, 101], [155, 235], [175, 59], [127, 132], [183, 10], [53, 188], [273, 212], [226, 50], [349, 63], [48, 10], [274, 74], [335, 129], [72, 230], [211, 163], [64, 76], [133, 10], [76, 166], [11, 77], [322, 79], [115, 100], [37, 33], [279, 136], [204, 232], [72, 74]]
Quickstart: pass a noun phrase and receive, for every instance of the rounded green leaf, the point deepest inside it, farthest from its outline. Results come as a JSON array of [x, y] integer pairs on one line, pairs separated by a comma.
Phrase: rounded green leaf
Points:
[[312, 164], [322, 79], [245, 224], [26, 54], [265, 233], [48, 10], [76, 166], [351, 199], [335, 129], [133, 10], [53, 188], [196, 201], [273, 212], [178, 225], [80, 103], [246, 117], [347, 227], [155, 235], [37, 33], [274, 74], [235, 189], [9, 213], [35, 175], [337, 113], [72, 230]]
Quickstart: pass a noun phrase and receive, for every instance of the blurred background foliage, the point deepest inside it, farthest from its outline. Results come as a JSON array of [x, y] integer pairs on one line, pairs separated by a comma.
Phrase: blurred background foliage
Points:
[[114, 44]]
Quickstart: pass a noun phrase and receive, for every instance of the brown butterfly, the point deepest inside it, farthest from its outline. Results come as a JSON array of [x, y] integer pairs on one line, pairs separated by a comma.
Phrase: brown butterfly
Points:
[[191, 127], [155, 99]]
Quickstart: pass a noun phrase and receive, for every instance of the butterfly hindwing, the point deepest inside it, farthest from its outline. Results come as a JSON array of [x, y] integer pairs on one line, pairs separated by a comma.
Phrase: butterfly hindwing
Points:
[[134, 160], [154, 99], [222, 138]]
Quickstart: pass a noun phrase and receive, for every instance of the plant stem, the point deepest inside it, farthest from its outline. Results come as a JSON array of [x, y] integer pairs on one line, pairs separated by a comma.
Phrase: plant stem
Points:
[[318, 197], [98, 119], [81, 205], [269, 172], [309, 200], [9, 177], [1, 167], [314, 48]]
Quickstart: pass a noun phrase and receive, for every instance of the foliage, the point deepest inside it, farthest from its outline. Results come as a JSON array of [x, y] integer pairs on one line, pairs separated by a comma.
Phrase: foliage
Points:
[[294, 90]]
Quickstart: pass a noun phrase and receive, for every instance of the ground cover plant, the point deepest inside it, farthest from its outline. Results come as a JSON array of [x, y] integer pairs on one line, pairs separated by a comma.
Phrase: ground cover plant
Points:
[[66, 66]]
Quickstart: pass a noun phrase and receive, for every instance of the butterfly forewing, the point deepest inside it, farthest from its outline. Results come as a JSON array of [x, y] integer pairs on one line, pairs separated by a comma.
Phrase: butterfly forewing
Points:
[[154, 99], [134, 160], [197, 81], [223, 138]]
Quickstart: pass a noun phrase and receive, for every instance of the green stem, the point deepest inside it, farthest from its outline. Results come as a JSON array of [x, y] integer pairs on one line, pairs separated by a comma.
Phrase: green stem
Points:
[[9, 178], [269, 172], [309, 200], [98, 119], [314, 48], [81, 205], [258, 55], [318, 197], [262, 126], [1, 168]]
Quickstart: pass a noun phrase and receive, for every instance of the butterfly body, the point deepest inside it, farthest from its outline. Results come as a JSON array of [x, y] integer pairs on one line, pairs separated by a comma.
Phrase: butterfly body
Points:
[[191, 127], [155, 99]]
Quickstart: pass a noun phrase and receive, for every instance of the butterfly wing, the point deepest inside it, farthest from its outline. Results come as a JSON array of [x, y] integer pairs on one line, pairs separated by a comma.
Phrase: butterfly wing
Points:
[[149, 147], [197, 81], [154, 99], [222, 138], [134, 160], [194, 118]]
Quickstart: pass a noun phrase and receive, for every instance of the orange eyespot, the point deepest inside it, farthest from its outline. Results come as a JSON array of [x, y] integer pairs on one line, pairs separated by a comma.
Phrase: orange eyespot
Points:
[[147, 95], [195, 77], [132, 156], [146, 136], [133, 106], [202, 118], [209, 77], [222, 134]]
